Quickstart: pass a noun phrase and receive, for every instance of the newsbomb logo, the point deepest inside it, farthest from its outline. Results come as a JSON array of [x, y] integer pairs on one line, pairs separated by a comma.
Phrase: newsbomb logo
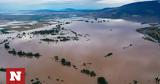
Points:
[[15, 76]]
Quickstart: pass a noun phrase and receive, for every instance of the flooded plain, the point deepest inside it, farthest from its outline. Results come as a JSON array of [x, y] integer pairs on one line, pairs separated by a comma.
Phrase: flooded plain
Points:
[[133, 58]]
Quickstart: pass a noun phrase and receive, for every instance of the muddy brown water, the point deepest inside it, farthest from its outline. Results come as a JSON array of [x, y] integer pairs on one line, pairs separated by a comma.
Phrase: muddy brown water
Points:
[[137, 62]]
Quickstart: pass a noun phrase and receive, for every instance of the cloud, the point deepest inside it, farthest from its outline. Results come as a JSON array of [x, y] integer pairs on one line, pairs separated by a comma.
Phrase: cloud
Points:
[[33, 1], [118, 2], [64, 1], [61, 4]]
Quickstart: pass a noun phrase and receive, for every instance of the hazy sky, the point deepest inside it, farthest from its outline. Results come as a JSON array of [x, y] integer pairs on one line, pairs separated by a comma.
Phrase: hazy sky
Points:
[[61, 4]]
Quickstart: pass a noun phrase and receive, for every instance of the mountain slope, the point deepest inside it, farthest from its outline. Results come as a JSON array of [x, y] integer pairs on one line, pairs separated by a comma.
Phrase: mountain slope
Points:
[[148, 8], [139, 10]]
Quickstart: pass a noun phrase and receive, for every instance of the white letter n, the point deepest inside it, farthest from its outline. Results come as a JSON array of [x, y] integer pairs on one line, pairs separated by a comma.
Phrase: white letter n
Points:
[[15, 76]]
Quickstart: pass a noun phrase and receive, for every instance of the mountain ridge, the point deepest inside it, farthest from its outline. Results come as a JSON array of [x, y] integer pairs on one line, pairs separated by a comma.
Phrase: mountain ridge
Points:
[[139, 11]]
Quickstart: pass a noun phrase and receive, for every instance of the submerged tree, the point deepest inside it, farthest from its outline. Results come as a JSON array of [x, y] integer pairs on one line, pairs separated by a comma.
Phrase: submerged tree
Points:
[[88, 72], [157, 79], [135, 82], [13, 51], [65, 62], [109, 54], [2, 69], [6, 46], [101, 80]]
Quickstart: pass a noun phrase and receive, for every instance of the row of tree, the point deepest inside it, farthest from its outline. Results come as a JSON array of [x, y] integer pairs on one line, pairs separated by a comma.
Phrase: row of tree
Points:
[[24, 54], [88, 72]]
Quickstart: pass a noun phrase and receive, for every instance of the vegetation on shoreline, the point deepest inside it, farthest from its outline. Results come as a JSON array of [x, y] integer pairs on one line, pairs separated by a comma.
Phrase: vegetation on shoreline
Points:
[[53, 31], [24, 54], [20, 53], [151, 33], [4, 31], [60, 34]]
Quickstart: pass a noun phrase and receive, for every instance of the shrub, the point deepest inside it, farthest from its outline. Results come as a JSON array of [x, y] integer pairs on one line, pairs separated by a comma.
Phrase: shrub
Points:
[[88, 72], [101, 80], [6, 46]]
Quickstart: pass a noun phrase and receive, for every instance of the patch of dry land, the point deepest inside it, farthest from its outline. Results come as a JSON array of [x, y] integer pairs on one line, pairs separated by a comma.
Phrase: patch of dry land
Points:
[[79, 51]]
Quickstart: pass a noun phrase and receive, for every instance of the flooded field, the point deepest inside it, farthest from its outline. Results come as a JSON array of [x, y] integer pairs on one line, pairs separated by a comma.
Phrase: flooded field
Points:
[[111, 49]]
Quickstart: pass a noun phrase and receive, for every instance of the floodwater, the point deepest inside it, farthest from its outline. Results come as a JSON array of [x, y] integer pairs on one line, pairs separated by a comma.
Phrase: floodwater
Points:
[[137, 62]]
